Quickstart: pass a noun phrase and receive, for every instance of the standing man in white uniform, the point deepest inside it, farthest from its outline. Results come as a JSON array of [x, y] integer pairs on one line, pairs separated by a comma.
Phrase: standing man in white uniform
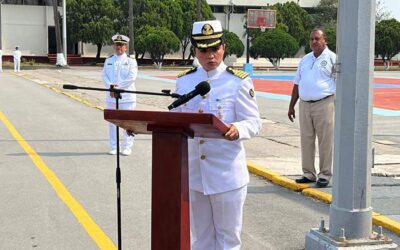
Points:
[[315, 85], [17, 59], [218, 174], [120, 71]]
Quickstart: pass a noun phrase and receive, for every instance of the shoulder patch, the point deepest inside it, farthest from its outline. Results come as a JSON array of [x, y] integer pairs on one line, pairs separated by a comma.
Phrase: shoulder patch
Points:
[[237, 72], [187, 72]]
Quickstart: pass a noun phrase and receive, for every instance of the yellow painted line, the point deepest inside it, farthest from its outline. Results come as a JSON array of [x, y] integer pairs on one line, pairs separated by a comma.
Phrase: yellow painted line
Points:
[[57, 90], [319, 195], [275, 177], [95, 232], [377, 219], [386, 222]]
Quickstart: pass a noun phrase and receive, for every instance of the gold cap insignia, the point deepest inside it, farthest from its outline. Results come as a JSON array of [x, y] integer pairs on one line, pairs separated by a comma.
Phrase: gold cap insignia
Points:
[[207, 30]]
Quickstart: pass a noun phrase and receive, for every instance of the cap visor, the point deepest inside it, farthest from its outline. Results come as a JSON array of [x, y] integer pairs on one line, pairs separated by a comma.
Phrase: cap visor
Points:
[[208, 43]]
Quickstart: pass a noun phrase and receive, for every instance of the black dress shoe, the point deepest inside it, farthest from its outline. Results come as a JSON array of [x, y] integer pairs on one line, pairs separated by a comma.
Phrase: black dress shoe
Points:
[[304, 180], [322, 182]]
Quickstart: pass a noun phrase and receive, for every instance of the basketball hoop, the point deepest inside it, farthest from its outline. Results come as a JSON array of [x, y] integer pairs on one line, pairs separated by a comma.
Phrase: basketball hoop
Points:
[[261, 18]]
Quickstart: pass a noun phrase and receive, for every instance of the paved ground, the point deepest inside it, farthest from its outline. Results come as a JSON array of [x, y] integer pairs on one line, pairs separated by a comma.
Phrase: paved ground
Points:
[[277, 148]]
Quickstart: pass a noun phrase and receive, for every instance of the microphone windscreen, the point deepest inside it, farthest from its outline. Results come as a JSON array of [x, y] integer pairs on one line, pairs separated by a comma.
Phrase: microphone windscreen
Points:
[[68, 86], [203, 87]]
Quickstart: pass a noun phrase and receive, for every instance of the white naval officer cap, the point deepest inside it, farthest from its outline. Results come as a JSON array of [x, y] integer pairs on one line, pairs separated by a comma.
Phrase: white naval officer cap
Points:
[[206, 34], [117, 38]]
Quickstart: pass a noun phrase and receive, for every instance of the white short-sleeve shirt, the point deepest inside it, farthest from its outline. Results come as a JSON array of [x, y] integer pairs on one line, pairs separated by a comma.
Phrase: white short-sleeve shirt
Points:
[[316, 76]]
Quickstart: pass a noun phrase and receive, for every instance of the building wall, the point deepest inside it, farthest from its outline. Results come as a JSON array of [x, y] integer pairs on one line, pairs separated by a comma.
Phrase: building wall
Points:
[[26, 26]]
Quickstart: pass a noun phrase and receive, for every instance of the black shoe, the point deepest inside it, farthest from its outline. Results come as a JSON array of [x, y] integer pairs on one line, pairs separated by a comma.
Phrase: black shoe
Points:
[[322, 182], [304, 180]]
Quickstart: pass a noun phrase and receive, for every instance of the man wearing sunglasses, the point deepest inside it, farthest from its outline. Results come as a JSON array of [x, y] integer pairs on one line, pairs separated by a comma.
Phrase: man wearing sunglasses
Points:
[[120, 72], [218, 174]]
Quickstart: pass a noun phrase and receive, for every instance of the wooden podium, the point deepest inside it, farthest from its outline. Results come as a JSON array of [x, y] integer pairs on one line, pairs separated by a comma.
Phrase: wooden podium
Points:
[[170, 223]]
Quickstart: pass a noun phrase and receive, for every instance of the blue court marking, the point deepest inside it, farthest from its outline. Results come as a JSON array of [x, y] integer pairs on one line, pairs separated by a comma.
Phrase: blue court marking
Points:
[[153, 78], [274, 77], [375, 111], [386, 86]]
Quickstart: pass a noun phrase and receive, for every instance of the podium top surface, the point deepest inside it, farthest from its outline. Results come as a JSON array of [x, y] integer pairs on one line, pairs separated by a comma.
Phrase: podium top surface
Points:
[[203, 125]]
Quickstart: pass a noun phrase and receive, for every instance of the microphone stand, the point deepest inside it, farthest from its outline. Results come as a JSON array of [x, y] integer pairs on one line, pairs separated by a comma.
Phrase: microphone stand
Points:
[[117, 95]]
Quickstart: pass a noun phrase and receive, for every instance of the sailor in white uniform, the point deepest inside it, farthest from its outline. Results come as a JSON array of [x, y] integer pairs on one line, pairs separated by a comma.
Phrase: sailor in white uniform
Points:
[[120, 71], [218, 174], [17, 59]]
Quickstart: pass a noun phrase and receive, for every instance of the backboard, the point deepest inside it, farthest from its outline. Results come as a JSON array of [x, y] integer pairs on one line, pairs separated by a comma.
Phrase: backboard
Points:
[[259, 18]]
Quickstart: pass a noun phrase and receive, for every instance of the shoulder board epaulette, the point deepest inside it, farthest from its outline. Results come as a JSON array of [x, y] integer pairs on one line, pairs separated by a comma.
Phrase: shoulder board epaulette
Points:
[[110, 56], [237, 72], [186, 72]]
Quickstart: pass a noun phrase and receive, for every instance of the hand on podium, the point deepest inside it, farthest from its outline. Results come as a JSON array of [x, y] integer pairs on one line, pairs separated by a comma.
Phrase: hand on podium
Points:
[[232, 134]]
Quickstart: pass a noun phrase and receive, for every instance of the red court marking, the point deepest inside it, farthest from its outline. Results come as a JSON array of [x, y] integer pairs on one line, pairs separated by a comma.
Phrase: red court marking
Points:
[[387, 80], [167, 77], [387, 98]]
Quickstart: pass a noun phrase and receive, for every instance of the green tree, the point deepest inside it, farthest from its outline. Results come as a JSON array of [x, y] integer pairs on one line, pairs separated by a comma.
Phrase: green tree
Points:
[[331, 38], [325, 14], [296, 19], [158, 42], [274, 45], [387, 40], [189, 8], [234, 45], [92, 21]]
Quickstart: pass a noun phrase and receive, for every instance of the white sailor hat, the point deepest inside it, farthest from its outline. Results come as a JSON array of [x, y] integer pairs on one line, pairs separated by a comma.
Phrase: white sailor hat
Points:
[[120, 38], [206, 34]]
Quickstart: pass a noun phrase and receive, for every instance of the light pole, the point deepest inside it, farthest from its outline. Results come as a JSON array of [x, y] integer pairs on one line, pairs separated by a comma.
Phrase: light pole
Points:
[[131, 33], [65, 28]]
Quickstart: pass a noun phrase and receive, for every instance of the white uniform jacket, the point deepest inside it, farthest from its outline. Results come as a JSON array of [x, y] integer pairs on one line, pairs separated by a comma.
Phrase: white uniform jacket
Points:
[[120, 70], [219, 165], [17, 55]]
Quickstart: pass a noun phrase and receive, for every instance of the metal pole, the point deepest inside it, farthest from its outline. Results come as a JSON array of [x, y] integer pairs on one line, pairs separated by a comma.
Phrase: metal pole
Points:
[[131, 32], [351, 206], [248, 45], [65, 28], [198, 10], [1, 22]]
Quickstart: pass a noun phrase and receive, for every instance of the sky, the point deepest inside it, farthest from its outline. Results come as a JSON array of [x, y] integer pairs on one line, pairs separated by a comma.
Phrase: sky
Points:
[[393, 6]]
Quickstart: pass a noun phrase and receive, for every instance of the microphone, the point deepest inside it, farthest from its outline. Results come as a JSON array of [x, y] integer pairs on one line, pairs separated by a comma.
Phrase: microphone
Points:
[[201, 89], [69, 86]]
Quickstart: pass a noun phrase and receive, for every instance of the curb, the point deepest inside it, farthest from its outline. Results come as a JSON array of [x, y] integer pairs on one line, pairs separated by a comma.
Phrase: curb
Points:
[[377, 219]]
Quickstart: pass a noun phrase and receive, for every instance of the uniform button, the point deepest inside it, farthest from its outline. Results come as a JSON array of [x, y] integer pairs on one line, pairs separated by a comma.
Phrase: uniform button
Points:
[[203, 157], [201, 141], [204, 96], [219, 107], [201, 111]]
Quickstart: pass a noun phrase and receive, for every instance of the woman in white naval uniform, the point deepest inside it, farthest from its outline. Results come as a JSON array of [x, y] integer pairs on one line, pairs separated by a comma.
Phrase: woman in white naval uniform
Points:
[[120, 71], [218, 174]]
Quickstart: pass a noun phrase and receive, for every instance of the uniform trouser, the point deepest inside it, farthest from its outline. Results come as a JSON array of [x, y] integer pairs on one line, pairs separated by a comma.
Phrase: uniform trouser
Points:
[[17, 65], [317, 119], [128, 140], [216, 220]]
